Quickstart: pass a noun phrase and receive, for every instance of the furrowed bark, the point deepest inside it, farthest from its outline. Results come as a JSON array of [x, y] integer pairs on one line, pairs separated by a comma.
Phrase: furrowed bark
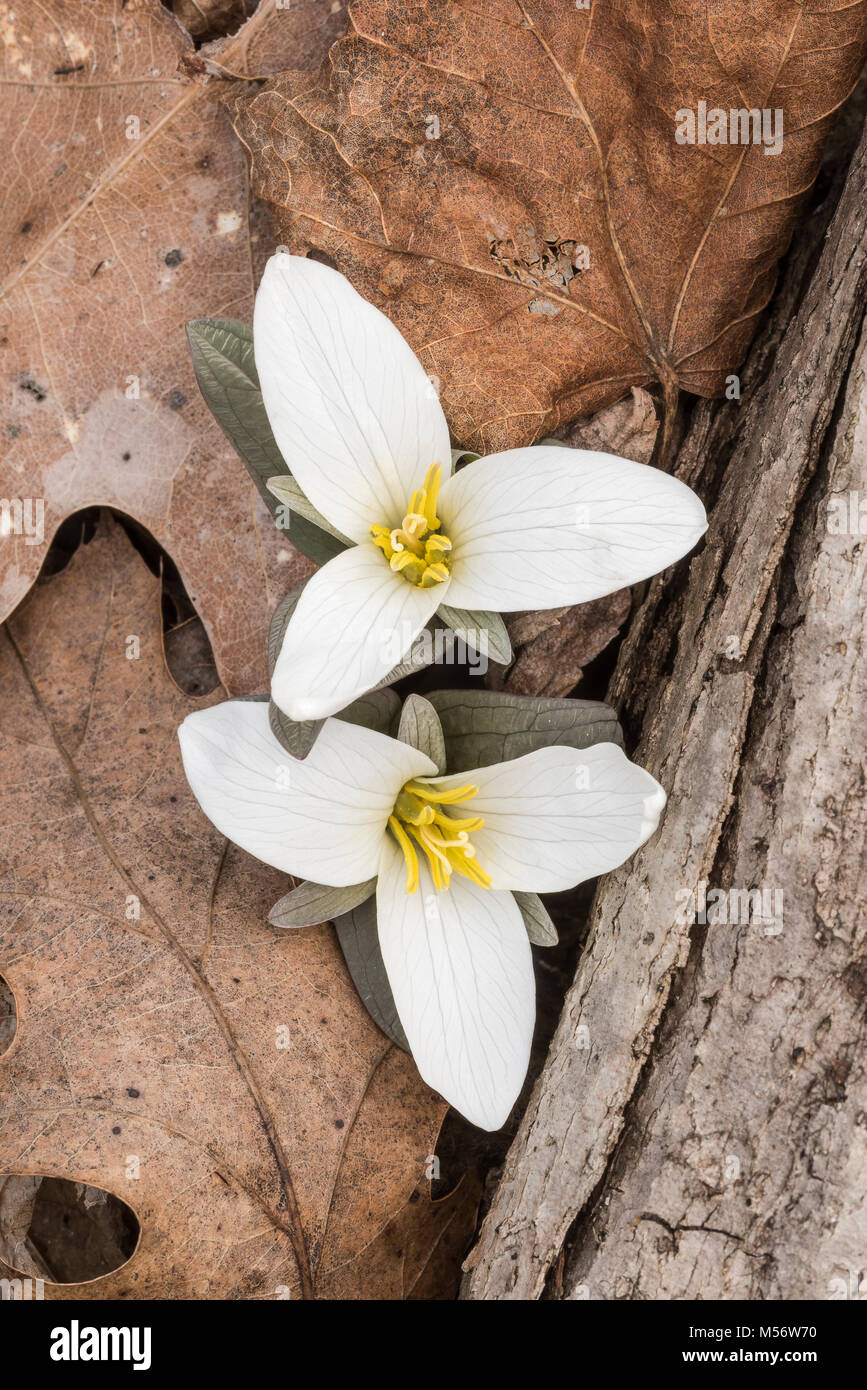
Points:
[[698, 1127]]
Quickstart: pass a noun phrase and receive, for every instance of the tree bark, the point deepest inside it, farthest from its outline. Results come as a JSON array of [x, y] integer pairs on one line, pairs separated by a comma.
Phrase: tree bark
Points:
[[699, 1126]]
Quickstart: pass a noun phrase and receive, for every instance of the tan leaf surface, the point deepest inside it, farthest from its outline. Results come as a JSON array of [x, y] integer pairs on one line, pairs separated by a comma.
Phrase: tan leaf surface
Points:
[[110, 245], [453, 159], [262, 1167]]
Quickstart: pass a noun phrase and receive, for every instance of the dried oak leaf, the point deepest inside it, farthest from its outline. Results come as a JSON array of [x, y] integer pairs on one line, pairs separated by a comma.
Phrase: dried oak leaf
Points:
[[163, 1027], [125, 214], [454, 159]]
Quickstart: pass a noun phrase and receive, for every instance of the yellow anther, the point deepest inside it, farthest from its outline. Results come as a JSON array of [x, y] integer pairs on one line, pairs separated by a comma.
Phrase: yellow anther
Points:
[[419, 821], [433, 574], [427, 792], [409, 854], [426, 561]]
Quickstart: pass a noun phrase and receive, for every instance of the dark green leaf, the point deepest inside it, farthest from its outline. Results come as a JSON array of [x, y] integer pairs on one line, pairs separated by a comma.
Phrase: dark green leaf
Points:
[[222, 352], [357, 934], [482, 727]]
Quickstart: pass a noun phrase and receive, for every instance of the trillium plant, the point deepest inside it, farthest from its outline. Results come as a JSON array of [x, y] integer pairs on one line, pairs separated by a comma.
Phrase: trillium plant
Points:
[[425, 834], [363, 433], [445, 856]]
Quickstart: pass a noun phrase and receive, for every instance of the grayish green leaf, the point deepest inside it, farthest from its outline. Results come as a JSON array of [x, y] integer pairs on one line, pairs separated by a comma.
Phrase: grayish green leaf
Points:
[[377, 710], [463, 456], [540, 928], [479, 628], [222, 352], [312, 903], [487, 726], [279, 623], [420, 727], [287, 491], [359, 942], [296, 736]]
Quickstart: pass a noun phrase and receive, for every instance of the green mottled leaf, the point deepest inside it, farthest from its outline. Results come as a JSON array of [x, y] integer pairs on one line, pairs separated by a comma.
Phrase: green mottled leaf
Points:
[[479, 628], [222, 352], [359, 942], [537, 920], [312, 903], [420, 727], [487, 726]]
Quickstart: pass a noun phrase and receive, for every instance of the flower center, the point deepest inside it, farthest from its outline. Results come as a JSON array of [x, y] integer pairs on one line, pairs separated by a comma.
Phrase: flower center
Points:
[[412, 549], [421, 820]]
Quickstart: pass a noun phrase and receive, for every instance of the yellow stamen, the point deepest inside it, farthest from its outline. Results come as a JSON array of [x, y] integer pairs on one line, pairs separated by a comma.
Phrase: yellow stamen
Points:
[[433, 574], [409, 853], [427, 792], [419, 821], [411, 549]]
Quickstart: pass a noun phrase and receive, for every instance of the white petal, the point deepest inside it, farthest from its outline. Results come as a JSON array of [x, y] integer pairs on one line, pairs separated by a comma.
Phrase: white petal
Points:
[[558, 816], [461, 973], [542, 527], [353, 412], [355, 620], [323, 818]]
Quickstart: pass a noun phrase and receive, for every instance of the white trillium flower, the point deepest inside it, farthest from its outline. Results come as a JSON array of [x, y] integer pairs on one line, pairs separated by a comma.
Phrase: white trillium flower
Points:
[[448, 851], [361, 428]]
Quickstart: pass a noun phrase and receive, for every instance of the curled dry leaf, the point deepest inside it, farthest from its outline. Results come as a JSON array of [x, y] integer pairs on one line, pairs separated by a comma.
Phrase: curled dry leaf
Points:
[[552, 662], [206, 19], [504, 181], [628, 428], [166, 1033], [125, 215]]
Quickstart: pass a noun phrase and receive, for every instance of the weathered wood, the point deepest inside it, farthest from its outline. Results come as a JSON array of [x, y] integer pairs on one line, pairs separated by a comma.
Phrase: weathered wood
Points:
[[704, 1079]]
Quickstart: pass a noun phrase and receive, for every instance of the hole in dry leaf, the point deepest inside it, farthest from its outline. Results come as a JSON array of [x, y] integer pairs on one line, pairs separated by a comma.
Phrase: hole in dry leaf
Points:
[[8, 1016], [186, 645], [206, 20], [75, 531], [322, 257], [66, 1232], [187, 648]]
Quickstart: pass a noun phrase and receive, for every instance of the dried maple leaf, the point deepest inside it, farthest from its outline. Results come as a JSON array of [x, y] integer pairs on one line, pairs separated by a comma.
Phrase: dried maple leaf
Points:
[[125, 214], [219, 1075], [504, 181]]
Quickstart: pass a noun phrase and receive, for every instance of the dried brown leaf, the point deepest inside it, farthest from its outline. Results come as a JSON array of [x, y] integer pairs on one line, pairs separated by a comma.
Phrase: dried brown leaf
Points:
[[125, 214], [552, 661], [153, 996], [453, 159]]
